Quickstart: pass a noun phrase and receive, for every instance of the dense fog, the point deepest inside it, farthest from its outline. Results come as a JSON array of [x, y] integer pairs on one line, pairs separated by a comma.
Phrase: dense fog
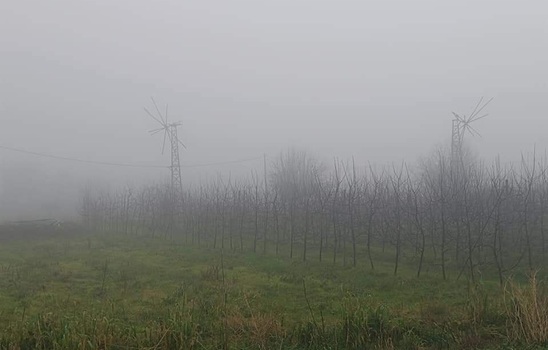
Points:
[[375, 81]]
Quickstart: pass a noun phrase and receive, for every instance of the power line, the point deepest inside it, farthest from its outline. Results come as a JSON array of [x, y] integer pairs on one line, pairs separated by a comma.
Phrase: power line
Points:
[[45, 155], [128, 165], [222, 163]]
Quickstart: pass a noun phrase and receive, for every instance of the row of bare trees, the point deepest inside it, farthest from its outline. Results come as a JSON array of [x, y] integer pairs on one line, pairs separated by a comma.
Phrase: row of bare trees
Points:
[[468, 220]]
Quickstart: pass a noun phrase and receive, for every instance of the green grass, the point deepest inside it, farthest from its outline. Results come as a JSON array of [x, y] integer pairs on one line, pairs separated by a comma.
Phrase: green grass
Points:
[[125, 292]]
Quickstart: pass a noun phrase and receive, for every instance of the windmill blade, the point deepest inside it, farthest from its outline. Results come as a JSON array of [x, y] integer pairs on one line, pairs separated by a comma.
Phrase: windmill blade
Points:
[[158, 111], [153, 117], [467, 119], [155, 131], [478, 111], [182, 144], [164, 143], [471, 130], [476, 107], [478, 118]]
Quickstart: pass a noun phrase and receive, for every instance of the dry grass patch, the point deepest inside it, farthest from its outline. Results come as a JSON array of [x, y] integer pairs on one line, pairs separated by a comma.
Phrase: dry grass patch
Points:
[[527, 310]]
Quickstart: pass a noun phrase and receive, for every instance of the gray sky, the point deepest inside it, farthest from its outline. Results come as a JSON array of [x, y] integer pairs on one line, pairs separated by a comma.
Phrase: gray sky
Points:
[[376, 80]]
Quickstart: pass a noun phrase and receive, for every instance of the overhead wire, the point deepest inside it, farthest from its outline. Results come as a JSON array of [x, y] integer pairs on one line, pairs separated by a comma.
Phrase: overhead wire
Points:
[[129, 165], [221, 163]]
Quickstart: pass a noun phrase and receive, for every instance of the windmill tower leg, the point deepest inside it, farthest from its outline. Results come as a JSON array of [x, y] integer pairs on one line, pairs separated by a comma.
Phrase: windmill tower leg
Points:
[[456, 144], [176, 182]]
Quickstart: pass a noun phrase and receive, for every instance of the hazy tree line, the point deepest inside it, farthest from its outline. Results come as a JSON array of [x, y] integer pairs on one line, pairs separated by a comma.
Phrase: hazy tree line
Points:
[[465, 217]]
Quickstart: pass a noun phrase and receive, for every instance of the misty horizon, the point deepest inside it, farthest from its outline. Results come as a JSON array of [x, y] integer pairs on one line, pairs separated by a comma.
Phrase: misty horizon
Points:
[[374, 81]]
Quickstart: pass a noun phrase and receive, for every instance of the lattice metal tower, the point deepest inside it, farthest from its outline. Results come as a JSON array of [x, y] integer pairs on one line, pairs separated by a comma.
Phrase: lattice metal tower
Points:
[[170, 131], [176, 182], [457, 139]]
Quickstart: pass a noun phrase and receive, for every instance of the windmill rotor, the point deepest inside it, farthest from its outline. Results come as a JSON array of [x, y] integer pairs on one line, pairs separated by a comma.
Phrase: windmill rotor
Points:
[[464, 122], [466, 126], [163, 120], [462, 125]]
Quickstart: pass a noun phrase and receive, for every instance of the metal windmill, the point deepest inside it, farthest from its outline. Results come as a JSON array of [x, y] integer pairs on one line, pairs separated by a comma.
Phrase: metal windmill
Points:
[[461, 126], [170, 132]]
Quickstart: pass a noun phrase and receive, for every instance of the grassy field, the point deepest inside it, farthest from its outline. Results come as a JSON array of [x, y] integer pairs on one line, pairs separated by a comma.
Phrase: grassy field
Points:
[[91, 291]]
